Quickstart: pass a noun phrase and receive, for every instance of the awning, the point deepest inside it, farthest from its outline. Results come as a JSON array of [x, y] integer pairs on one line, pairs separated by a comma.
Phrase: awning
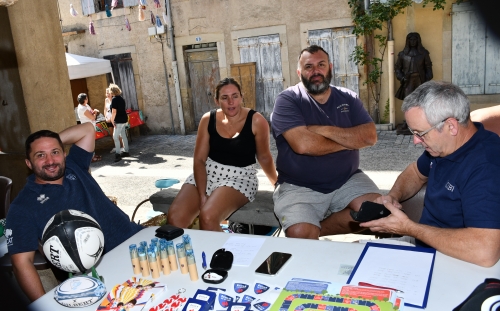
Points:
[[83, 67]]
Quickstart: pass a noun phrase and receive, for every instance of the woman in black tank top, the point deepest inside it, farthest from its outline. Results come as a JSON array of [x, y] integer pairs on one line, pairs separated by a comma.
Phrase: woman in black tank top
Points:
[[224, 178]]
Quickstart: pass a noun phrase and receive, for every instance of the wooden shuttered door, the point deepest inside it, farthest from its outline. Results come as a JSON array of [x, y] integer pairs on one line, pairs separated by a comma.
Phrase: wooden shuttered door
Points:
[[339, 43], [475, 53], [203, 65], [265, 52], [245, 75], [88, 7], [123, 72], [492, 64]]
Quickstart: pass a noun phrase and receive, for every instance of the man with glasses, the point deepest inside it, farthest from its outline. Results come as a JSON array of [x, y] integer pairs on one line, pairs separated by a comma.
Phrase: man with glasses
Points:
[[461, 167]]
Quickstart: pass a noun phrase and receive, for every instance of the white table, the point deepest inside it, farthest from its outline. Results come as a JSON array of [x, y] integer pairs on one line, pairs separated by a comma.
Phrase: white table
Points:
[[452, 281]]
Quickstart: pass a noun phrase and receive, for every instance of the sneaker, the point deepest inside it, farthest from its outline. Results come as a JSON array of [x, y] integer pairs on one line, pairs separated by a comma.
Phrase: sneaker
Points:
[[112, 150], [122, 150], [125, 154], [118, 157]]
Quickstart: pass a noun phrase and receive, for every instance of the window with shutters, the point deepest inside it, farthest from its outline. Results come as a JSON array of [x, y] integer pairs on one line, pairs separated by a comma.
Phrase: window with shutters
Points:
[[475, 52], [339, 43]]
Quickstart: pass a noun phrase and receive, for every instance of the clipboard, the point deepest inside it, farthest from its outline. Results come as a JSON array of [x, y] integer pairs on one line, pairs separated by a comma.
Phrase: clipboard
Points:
[[399, 267]]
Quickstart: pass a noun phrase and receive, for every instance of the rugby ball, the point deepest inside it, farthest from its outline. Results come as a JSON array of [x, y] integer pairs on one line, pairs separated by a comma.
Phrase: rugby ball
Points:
[[72, 241], [79, 291]]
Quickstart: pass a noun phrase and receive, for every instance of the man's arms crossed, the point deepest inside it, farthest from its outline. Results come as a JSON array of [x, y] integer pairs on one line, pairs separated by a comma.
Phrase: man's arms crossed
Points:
[[318, 140]]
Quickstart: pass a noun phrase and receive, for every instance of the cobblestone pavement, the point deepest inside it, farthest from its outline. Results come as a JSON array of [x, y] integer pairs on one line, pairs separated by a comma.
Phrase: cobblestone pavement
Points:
[[170, 156]]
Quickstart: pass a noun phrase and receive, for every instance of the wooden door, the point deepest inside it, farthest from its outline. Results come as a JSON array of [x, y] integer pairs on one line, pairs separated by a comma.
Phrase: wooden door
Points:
[[468, 49], [265, 51], [339, 43], [245, 75], [78, 86], [204, 75], [123, 72]]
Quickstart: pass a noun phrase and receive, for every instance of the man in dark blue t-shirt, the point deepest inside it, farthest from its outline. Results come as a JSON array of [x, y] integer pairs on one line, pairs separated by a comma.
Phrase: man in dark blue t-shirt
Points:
[[59, 183], [461, 167], [318, 130]]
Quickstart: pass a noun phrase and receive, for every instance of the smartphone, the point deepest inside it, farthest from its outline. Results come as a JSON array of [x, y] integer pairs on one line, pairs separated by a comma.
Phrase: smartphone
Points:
[[370, 211], [273, 263]]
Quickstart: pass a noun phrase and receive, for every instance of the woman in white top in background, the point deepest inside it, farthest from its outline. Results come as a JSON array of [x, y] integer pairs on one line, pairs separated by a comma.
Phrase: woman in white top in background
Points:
[[87, 114], [108, 114]]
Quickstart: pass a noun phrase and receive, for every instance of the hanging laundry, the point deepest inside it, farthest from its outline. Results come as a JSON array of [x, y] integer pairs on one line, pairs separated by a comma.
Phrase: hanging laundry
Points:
[[127, 24], [143, 2], [91, 28], [153, 18], [158, 21], [72, 10], [157, 4], [141, 17], [108, 12], [114, 4]]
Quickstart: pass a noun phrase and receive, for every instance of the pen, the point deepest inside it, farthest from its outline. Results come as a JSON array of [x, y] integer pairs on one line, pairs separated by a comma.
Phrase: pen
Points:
[[377, 286], [204, 263]]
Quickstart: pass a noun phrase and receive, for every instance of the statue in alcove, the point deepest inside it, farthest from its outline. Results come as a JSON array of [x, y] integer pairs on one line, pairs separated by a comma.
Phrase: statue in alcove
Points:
[[413, 66]]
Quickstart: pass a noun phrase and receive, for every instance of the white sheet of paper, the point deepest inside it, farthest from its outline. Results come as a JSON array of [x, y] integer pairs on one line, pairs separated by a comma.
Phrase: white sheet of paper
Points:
[[404, 270], [243, 249]]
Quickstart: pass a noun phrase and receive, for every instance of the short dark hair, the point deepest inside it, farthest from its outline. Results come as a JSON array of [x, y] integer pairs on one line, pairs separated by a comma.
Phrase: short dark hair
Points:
[[134, 301], [81, 98], [37, 135], [225, 82], [313, 49]]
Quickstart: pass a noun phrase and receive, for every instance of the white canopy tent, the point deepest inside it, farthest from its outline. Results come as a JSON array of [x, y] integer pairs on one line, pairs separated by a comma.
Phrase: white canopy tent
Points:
[[83, 67]]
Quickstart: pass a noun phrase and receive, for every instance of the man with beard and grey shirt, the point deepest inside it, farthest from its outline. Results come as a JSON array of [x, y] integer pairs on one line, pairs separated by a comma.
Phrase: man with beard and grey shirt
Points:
[[318, 130]]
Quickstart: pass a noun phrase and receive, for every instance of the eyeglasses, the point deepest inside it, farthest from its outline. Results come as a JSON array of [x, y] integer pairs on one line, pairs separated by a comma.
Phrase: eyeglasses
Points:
[[421, 135]]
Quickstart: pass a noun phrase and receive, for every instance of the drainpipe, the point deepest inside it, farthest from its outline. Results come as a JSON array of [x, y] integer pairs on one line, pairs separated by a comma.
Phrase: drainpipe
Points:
[[174, 70], [390, 60], [168, 88]]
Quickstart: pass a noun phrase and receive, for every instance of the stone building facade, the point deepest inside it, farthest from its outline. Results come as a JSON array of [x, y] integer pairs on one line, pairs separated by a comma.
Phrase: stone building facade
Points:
[[258, 41]]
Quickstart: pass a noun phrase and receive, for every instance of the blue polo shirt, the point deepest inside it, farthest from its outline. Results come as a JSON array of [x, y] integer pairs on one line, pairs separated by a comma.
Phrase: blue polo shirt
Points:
[[295, 107], [463, 187], [37, 203]]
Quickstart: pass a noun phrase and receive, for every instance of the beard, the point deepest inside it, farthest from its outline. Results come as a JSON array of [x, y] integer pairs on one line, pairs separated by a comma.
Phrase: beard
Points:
[[317, 88], [41, 174]]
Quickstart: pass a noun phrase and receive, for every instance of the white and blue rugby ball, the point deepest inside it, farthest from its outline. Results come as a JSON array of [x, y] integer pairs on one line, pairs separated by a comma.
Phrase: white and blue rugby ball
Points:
[[79, 291], [73, 241]]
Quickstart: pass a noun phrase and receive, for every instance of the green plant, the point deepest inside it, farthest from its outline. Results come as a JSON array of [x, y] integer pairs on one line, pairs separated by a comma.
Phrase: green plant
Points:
[[365, 24], [385, 117]]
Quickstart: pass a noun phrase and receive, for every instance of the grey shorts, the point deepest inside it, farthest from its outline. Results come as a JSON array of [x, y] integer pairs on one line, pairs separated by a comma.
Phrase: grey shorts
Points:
[[294, 204]]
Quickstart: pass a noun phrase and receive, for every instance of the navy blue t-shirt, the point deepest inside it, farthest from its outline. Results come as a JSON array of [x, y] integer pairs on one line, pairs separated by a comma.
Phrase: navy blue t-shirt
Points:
[[294, 107], [37, 203], [463, 187]]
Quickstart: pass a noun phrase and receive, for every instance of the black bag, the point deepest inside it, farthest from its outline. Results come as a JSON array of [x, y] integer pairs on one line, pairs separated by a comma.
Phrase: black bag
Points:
[[243, 228], [484, 297]]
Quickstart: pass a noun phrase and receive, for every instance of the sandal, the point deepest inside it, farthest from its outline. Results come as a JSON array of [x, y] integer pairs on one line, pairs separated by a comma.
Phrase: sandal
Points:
[[96, 158]]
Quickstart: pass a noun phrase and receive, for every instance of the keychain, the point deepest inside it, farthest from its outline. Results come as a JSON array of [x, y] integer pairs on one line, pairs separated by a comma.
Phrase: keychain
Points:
[[174, 303]]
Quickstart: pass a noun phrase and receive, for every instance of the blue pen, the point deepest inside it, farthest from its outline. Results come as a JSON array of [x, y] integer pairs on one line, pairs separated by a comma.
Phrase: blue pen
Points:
[[204, 263]]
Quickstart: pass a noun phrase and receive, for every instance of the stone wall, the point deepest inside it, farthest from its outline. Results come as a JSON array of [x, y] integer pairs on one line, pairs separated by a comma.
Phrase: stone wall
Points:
[[209, 21], [97, 91]]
